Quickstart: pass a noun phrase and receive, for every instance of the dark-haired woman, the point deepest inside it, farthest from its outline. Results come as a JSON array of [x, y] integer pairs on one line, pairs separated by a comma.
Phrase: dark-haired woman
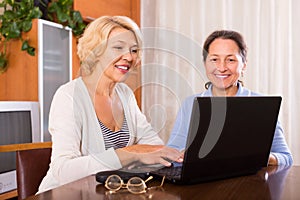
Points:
[[225, 60]]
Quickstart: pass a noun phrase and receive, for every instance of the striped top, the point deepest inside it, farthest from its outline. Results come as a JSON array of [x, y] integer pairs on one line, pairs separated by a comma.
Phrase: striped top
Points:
[[117, 139]]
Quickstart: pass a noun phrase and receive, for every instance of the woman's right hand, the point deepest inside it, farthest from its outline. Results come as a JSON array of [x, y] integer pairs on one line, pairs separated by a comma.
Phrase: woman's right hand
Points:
[[142, 154]]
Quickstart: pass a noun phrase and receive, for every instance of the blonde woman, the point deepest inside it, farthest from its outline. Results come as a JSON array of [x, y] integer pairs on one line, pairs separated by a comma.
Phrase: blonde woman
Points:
[[94, 121]]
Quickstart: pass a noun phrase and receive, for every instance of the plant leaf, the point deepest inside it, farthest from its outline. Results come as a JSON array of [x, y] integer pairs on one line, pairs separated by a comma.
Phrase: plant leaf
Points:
[[76, 16], [31, 51], [62, 16], [35, 13], [13, 31], [25, 45], [53, 7], [8, 15], [26, 25], [3, 62]]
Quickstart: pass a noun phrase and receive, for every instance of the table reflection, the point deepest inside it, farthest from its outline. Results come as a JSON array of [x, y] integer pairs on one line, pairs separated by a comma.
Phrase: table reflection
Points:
[[276, 180], [268, 183], [151, 193]]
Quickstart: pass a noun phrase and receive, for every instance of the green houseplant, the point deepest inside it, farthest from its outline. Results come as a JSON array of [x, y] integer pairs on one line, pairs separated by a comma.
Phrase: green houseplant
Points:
[[61, 11], [17, 18]]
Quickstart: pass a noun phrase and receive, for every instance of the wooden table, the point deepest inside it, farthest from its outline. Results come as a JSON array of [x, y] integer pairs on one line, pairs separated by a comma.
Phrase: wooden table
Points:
[[269, 183]]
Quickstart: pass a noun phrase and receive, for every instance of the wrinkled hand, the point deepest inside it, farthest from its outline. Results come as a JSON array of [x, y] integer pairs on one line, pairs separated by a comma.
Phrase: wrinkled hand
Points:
[[151, 154], [164, 155]]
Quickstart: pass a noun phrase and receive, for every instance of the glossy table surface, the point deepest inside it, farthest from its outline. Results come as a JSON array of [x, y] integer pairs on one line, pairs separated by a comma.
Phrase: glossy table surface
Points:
[[268, 183]]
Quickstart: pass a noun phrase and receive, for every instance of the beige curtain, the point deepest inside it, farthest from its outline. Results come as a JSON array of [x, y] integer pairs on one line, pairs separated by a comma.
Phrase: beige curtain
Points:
[[174, 31]]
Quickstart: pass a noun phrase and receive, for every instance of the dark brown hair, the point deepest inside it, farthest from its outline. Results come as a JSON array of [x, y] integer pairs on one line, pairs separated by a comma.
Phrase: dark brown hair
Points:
[[226, 34]]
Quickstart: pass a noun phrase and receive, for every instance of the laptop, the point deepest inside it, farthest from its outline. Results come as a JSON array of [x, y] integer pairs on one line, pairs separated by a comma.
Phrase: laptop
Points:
[[228, 137]]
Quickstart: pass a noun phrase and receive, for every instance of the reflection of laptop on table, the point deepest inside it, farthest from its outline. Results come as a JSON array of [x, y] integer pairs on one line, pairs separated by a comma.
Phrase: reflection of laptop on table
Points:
[[228, 136]]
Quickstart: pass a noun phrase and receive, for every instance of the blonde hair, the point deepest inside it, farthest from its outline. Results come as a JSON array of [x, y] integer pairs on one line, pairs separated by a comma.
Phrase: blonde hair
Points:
[[93, 42]]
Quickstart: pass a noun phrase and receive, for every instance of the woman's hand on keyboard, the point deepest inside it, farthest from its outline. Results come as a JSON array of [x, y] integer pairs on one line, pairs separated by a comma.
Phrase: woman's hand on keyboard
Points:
[[149, 155]]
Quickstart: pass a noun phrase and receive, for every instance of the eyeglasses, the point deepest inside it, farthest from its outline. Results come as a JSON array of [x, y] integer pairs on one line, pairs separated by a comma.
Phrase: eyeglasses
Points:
[[135, 185]]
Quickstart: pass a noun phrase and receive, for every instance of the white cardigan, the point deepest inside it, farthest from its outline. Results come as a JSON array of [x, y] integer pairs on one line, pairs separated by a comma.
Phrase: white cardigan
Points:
[[78, 148]]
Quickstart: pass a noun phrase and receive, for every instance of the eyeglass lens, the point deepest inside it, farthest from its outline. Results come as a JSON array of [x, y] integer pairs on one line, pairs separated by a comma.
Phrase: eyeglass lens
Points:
[[113, 182], [134, 185]]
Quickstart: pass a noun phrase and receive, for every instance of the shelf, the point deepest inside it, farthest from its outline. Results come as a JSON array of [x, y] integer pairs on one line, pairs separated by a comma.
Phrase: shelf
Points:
[[8, 195], [16, 147]]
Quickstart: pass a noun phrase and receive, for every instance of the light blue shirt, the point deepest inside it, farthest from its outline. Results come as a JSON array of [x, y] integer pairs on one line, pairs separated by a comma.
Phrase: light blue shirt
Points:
[[179, 133]]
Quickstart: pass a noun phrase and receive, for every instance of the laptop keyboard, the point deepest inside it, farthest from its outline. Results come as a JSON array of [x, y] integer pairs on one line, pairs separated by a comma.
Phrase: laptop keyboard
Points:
[[169, 172]]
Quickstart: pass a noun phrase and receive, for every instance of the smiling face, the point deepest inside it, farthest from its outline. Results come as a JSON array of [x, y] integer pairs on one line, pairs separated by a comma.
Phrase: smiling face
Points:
[[120, 56], [224, 66]]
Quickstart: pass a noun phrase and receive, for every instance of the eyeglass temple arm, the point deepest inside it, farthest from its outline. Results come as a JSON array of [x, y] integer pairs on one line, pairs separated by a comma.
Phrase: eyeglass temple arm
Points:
[[148, 179], [162, 181]]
